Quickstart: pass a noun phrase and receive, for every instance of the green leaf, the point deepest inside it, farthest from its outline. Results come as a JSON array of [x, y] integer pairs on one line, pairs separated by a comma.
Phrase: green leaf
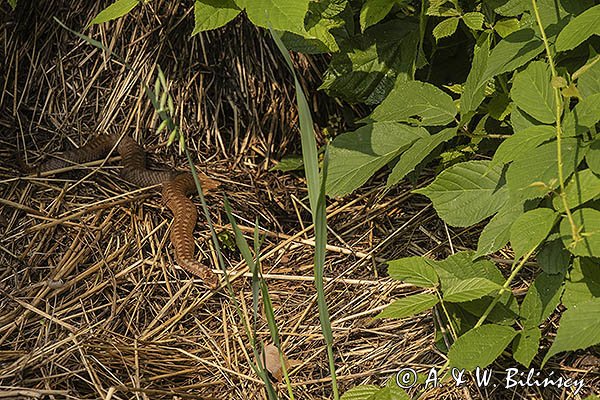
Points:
[[289, 163], [587, 111], [530, 229], [362, 392], [368, 66], [509, 8], [442, 8], [533, 177], [114, 11], [212, 14], [409, 306], [526, 345], [416, 271], [417, 153], [583, 283], [467, 193], [480, 346], [281, 15], [374, 11], [553, 257], [523, 143], [505, 27], [587, 221], [13, 4], [583, 186], [496, 233], [592, 158], [445, 28], [500, 106], [469, 289], [589, 81], [543, 296], [415, 100], [532, 92], [474, 20], [579, 29], [391, 392], [579, 328], [513, 51], [474, 90], [355, 156]]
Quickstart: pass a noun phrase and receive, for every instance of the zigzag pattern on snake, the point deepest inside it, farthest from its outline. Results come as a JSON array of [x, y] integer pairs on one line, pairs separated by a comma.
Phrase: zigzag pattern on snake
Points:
[[175, 188]]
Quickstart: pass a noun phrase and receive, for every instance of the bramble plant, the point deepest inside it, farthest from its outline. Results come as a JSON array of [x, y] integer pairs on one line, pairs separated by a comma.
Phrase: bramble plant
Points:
[[506, 95]]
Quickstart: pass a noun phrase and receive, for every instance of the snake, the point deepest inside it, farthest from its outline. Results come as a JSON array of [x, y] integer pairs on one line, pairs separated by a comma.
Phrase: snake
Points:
[[176, 186]]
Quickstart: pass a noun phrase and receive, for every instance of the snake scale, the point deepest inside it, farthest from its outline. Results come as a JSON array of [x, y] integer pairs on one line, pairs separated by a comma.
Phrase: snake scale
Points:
[[175, 188]]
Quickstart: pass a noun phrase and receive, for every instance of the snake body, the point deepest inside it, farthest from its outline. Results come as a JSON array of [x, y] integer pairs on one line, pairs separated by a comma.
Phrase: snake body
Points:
[[175, 188]]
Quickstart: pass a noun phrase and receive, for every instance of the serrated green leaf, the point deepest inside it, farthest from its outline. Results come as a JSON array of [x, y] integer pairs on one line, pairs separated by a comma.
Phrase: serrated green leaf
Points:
[[409, 306], [530, 229], [523, 143], [374, 11], [355, 156], [583, 186], [419, 150], [445, 28], [579, 29], [592, 158], [442, 8], [474, 20], [467, 193], [500, 106], [587, 221], [531, 177], [505, 27], [496, 233], [587, 111], [469, 289], [579, 328], [589, 81], [415, 100], [526, 345], [116, 10], [480, 346], [418, 271], [509, 8], [212, 14], [553, 257], [475, 85], [281, 15], [362, 392], [543, 296], [513, 51], [533, 94], [583, 283], [391, 393]]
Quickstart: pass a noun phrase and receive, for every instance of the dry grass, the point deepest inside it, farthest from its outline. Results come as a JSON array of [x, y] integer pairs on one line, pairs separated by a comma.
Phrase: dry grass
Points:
[[90, 304]]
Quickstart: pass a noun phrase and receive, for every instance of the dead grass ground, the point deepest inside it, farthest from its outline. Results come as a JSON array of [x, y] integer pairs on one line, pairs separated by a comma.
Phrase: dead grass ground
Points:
[[90, 304]]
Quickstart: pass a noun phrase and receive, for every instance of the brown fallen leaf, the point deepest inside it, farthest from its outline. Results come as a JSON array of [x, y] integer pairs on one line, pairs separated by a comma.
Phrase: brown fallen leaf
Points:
[[269, 358]]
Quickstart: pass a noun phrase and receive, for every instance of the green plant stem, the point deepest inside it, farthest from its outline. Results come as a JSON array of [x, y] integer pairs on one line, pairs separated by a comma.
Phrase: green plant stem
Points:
[[558, 100], [452, 330]]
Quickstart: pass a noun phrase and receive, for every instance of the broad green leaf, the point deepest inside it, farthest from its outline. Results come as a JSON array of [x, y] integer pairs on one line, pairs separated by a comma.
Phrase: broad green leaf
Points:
[[583, 186], [374, 11], [415, 100], [530, 229], [212, 14], [409, 306], [460, 266], [587, 111], [592, 158], [480, 346], [505, 27], [289, 163], [474, 20], [418, 271], [533, 177], [579, 29], [579, 328], [519, 120], [281, 15], [553, 257], [355, 156], [469, 289], [496, 233], [114, 11], [532, 92], [523, 143], [512, 52], [500, 106], [467, 193], [508, 8], [445, 28], [583, 283], [391, 392], [417, 153], [362, 392], [474, 90], [556, 14], [526, 345], [589, 82], [368, 66], [543, 296], [587, 221]]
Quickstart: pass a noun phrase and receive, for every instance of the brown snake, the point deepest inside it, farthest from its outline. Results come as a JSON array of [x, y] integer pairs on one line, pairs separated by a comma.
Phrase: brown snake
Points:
[[175, 188]]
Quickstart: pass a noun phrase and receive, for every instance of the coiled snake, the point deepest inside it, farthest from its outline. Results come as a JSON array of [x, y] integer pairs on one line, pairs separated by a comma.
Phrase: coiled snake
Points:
[[175, 188]]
